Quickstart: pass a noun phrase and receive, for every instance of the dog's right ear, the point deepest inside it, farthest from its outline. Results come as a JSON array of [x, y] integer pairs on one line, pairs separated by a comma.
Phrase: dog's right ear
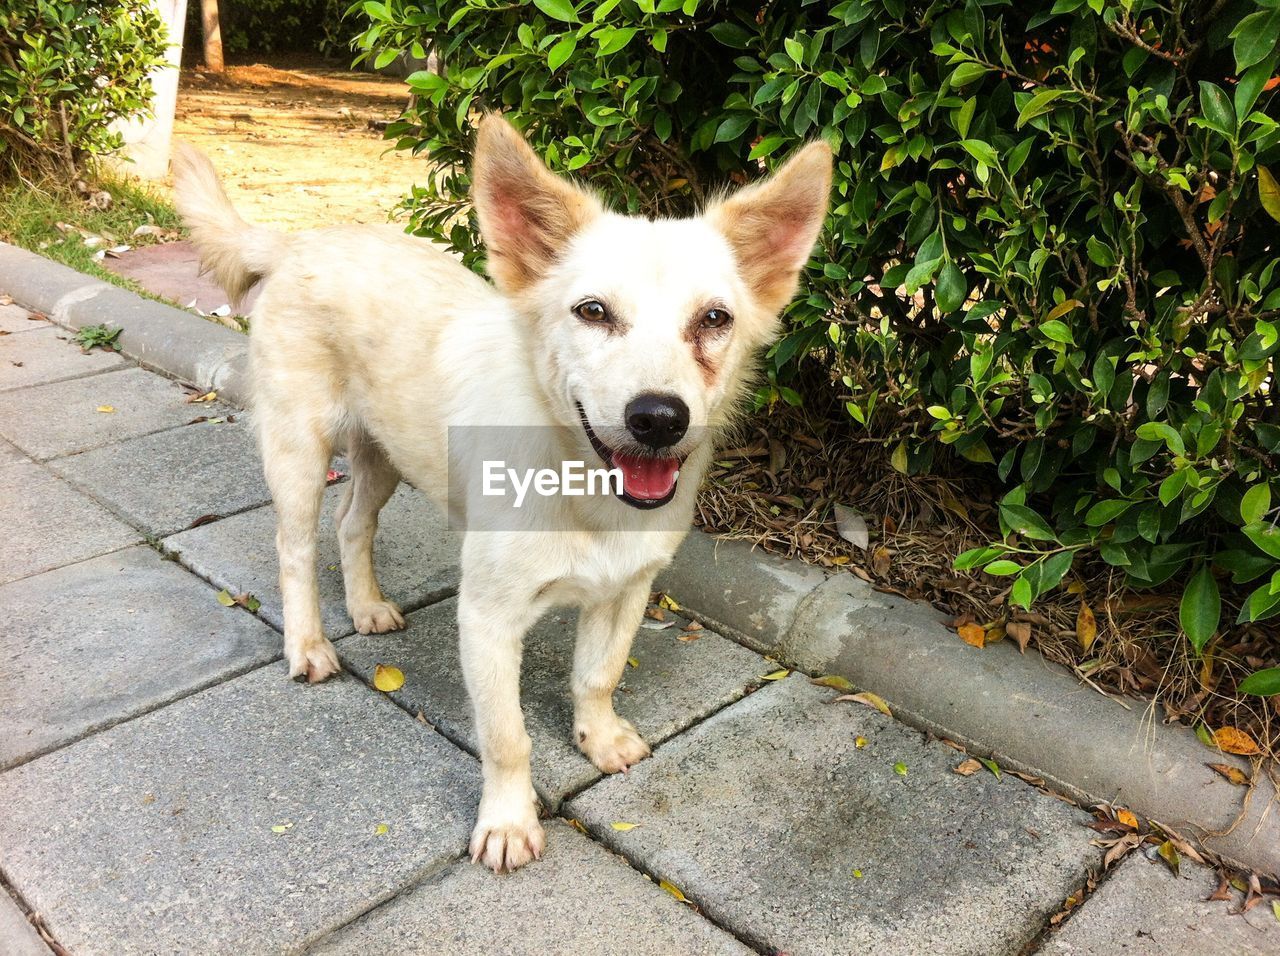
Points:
[[527, 213]]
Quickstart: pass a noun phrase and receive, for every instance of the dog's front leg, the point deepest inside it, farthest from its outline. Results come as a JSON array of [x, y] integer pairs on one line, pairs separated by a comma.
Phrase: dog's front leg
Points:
[[605, 633], [491, 632]]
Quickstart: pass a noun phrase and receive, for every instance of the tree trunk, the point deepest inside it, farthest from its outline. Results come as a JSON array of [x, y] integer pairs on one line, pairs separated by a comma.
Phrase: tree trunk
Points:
[[212, 35]]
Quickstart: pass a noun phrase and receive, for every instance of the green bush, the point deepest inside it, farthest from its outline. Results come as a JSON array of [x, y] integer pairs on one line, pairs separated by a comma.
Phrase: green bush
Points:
[[274, 26], [68, 70], [1053, 250]]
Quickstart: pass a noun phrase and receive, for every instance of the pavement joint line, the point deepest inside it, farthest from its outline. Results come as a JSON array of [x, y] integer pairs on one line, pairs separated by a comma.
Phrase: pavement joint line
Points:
[[656, 879], [1099, 878], [151, 709], [6, 886], [409, 886], [695, 723], [62, 380]]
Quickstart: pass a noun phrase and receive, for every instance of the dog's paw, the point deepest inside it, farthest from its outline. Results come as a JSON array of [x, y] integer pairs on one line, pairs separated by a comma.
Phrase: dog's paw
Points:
[[314, 660], [378, 618], [507, 842], [613, 746]]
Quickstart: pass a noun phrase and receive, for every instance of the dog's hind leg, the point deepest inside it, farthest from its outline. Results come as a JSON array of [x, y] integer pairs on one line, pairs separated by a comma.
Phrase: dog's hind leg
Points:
[[605, 633], [373, 479], [295, 455]]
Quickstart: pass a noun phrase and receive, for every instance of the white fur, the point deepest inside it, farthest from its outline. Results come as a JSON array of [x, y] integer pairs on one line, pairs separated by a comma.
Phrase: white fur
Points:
[[374, 342]]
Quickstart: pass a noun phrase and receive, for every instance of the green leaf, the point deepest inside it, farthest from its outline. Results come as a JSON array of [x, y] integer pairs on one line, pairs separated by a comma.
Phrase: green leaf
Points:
[[616, 40], [966, 73], [1263, 683], [981, 151], [733, 127], [1058, 331], [1265, 535], [1161, 431], [1260, 605], [730, 34], [795, 50], [1104, 512], [1217, 108], [1201, 608], [1255, 503], [766, 146], [562, 50], [1255, 38], [1038, 105], [559, 9], [1003, 567], [1026, 522], [952, 288]]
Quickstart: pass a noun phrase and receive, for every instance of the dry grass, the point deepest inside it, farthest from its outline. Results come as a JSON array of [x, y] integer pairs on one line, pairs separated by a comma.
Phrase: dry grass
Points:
[[778, 489]]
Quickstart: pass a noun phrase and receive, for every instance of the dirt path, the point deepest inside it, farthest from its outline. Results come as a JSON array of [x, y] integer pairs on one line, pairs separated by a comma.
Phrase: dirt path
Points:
[[294, 146]]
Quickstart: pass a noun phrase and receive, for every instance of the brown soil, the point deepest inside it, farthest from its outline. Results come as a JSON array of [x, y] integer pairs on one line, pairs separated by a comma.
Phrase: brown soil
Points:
[[294, 146]]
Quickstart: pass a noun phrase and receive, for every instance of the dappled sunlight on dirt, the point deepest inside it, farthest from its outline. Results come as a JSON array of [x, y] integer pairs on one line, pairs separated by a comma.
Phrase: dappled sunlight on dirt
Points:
[[295, 147]]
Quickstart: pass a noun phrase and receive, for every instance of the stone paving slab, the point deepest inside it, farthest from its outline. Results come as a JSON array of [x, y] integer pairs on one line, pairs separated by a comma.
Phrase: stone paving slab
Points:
[[763, 813], [578, 899], [15, 318], [165, 481], [674, 685], [48, 355], [415, 554], [156, 836], [48, 421], [1142, 909], [18, 935], [46, 523], [95, 643]]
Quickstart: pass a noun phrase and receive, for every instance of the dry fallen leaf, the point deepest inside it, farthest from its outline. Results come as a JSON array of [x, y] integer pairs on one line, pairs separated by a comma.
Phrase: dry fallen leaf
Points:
[[834, 681], [633, 662], [673, 890], [387, 678], [1236, 741], [900, 769], [1234, 774], [967, 768], [1020, 631], [622, 827], [668, 602], [225, 598], [776, 675], [381, 830], [852, 527], [880, 560], [106, 409], [871, 700], [197, 398], [1169, 853], [859, 742], [1086, 626], [1127, 817], [990, 765], [972, 634]]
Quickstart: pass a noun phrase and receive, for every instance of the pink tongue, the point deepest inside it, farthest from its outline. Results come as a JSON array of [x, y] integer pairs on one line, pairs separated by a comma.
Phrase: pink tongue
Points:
[[647, 479]]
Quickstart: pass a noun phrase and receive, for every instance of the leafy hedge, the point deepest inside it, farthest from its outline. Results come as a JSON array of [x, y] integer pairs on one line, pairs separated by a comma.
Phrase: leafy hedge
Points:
[[1053, 251], [68, 70]]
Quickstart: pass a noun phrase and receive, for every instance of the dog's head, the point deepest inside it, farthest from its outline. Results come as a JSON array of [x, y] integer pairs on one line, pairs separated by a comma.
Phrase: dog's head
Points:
[[646, 330]]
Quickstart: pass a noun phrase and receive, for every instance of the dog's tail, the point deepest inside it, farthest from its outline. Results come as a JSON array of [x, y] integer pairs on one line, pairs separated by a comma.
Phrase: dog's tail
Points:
[[237, 253]]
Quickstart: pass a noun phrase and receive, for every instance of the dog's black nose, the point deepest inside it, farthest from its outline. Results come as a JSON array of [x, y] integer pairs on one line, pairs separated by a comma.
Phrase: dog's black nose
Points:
[[657, 420]]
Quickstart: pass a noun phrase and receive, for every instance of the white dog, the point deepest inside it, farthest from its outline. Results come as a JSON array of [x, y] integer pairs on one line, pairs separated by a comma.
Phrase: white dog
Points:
[[610, 337]]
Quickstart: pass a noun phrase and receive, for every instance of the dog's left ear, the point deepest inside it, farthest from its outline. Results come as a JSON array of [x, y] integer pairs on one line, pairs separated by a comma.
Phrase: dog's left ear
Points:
[[527, 213], [772, 225]]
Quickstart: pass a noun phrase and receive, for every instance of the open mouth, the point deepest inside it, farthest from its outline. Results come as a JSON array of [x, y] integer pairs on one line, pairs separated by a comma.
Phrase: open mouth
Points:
[[648, 481]]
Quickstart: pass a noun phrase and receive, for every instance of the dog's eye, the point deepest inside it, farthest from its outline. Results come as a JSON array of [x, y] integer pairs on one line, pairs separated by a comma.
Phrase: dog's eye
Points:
[[591, 311], [716, 319]]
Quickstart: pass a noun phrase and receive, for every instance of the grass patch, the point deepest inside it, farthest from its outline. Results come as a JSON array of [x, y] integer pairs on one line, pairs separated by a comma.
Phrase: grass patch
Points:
[[30, 212]]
